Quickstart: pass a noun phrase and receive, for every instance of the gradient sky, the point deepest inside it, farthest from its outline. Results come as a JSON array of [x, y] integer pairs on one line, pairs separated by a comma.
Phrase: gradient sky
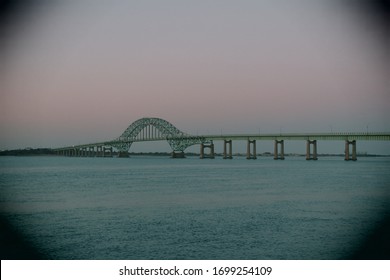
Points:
[[81, 71]]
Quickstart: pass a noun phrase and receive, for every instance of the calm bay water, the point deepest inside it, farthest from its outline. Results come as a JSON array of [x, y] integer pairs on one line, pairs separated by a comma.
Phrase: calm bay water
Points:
[[162, 208]]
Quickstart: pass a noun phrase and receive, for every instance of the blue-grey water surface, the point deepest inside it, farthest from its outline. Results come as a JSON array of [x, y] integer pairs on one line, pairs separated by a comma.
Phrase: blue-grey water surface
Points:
[[162, 208]]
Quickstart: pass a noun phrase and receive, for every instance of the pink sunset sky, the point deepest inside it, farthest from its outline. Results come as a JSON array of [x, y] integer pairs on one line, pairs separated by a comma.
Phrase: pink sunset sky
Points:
[[81, 71]]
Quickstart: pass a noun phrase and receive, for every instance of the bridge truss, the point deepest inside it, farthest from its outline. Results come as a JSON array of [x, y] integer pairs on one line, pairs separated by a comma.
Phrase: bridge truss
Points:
[[155, 129]]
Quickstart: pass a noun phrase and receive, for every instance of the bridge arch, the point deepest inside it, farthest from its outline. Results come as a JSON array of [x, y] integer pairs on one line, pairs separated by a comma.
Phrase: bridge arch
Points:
[[177, 139]]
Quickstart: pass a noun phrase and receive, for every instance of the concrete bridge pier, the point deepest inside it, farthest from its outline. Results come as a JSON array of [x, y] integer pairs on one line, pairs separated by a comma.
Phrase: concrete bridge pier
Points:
[[107, 151], [278, 155], [203, 146], [250, 155], [310, 156], [91, 151], [178, 154], [123, 154], [347, 152], [227, 155], [99, 151]]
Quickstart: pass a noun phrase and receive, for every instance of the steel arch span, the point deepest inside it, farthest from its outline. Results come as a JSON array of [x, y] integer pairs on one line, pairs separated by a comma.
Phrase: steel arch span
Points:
[[155, 129]]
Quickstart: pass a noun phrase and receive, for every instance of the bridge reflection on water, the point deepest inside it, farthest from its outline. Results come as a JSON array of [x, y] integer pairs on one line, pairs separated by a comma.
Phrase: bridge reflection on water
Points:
[[156, 129]]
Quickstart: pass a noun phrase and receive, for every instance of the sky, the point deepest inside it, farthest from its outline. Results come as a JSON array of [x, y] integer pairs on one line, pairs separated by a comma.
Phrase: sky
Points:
[[76, 72]]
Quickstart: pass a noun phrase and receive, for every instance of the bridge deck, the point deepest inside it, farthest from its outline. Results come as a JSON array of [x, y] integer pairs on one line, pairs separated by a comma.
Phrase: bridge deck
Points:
[[371, 136], [304, 136]]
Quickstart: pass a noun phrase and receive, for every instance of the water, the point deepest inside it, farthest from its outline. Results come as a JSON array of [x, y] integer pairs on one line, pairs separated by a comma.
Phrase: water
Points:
[[162, 208]]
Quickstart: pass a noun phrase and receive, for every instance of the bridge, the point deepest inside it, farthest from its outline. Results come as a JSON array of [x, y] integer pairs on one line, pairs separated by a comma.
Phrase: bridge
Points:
[[156, 129]]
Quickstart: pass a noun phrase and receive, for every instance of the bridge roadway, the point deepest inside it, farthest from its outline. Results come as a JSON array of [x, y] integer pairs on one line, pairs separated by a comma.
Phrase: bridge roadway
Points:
[[304, 136], [156, 129], [104, 149]]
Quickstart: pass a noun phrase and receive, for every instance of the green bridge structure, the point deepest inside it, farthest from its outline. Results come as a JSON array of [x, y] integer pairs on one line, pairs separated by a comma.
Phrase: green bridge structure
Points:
[[156, 129]]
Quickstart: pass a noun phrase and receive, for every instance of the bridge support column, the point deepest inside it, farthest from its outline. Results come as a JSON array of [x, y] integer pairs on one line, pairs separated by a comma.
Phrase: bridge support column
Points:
[[248, 149], [107, 152], [91, 151], [99, 151], [347, 152], [226, 154], [310, 156], [278, 155], [123, 154], [178, 154], [204, 146]]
